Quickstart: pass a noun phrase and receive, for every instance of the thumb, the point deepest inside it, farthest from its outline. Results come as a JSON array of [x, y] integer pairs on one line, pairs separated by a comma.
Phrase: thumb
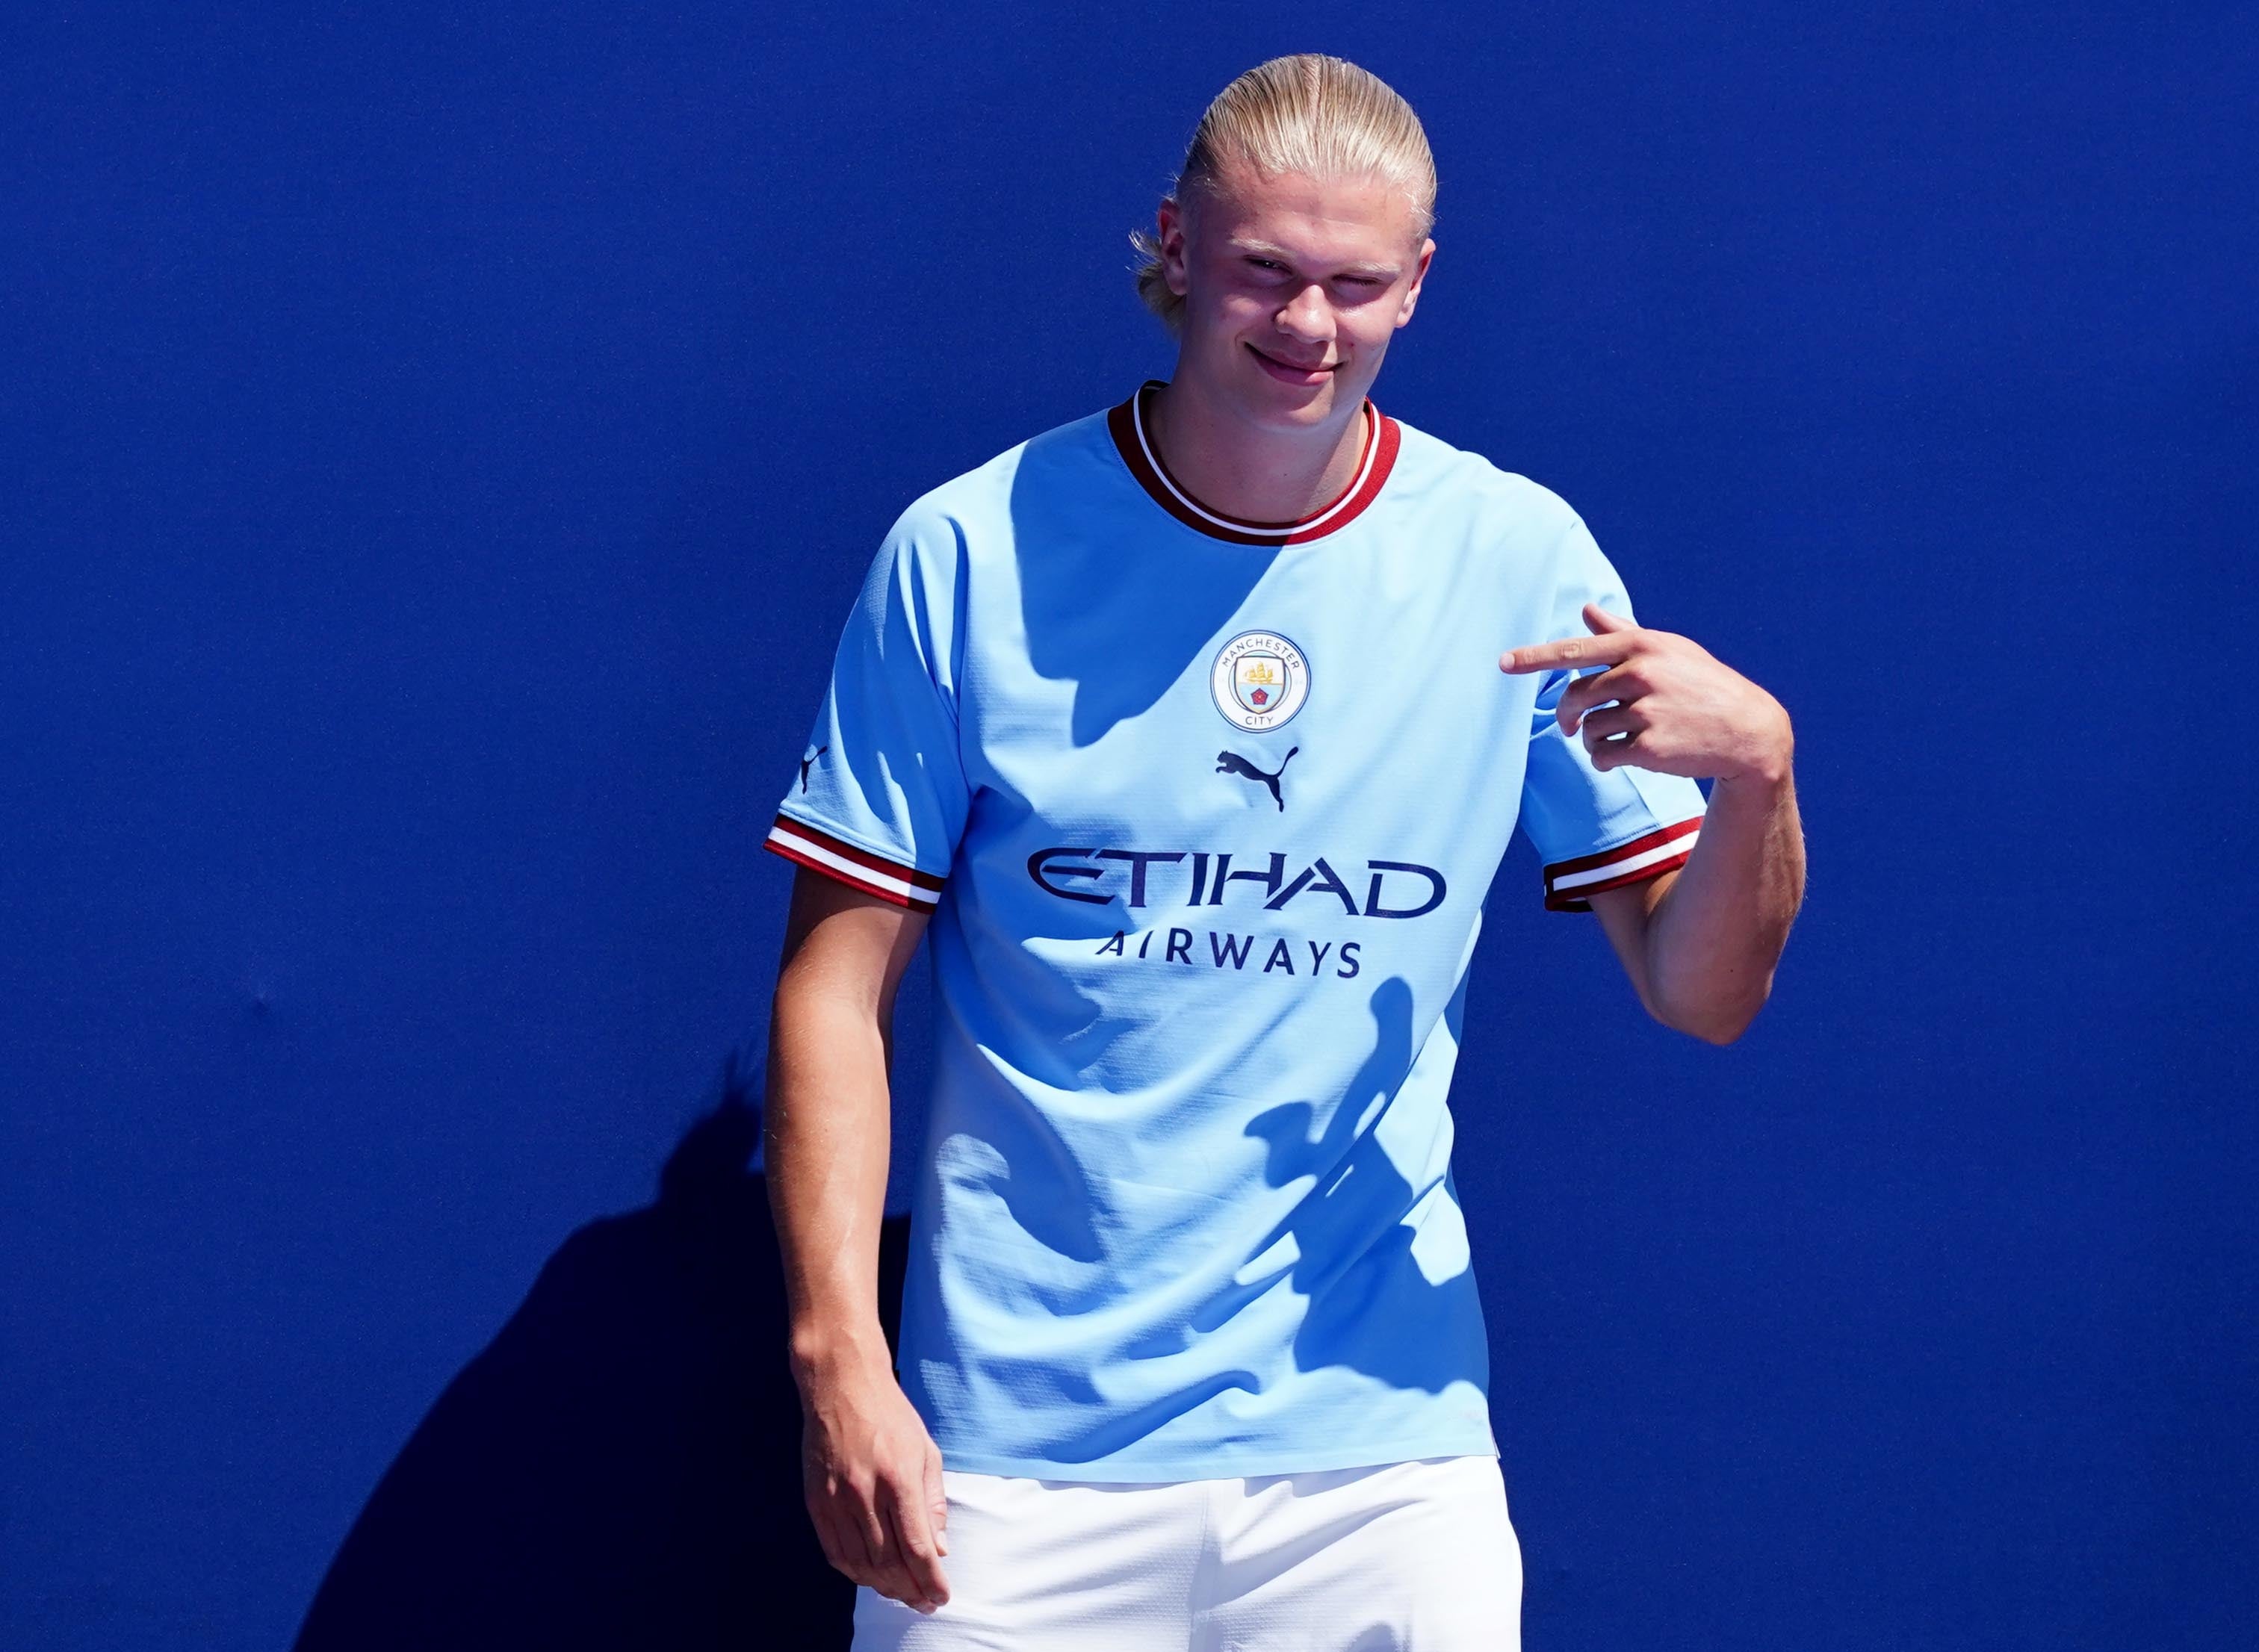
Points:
[[936, 1500], [1603, 622]]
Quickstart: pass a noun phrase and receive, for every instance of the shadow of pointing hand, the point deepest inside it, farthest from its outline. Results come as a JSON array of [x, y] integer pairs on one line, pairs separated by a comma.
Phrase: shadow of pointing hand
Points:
[[1349, 1244], [621, 1466]]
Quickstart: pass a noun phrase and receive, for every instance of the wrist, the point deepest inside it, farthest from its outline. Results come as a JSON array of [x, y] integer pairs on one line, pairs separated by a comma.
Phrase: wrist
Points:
[[821, 1355], [1770, 763]]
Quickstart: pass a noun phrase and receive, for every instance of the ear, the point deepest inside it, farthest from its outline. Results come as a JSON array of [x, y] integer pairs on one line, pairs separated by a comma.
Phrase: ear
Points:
[[1172, 225], [1419, 275]]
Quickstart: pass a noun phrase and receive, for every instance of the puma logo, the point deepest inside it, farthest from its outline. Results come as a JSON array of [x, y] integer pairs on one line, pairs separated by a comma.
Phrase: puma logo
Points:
[[808, 761], [1232, 763]]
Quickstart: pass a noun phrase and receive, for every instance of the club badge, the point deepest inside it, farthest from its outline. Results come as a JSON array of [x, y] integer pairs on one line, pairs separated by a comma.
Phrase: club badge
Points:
[[1259, 680]]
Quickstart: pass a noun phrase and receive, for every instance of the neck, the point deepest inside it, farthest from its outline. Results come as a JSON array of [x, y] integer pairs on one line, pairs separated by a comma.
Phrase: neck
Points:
[[1245, 470]]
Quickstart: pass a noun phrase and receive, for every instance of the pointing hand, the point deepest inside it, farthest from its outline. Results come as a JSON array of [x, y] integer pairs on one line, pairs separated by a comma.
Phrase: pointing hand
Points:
[[1677, 711]]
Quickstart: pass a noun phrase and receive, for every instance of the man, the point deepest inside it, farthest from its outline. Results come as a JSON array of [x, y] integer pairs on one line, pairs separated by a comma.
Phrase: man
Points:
[[1187, 727]]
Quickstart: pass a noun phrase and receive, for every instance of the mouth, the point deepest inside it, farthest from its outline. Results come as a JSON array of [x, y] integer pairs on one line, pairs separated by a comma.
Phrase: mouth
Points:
[[1292, 371]]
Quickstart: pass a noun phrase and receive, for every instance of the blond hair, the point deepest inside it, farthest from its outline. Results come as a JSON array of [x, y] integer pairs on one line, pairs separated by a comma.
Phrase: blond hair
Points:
[[1308, 113]]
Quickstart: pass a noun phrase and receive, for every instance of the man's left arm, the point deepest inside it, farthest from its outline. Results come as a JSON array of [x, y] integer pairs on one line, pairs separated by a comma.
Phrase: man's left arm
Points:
[[1699, 944]]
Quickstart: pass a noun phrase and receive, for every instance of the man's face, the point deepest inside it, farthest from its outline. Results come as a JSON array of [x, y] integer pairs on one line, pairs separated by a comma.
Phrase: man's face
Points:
[[1293, 288]]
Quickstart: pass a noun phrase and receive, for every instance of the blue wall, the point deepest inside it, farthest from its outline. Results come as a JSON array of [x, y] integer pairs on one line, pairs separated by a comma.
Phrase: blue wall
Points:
[[436, 456]]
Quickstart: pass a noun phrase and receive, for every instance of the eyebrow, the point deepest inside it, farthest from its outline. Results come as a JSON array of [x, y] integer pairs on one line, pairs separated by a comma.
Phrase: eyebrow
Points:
[[1266, 249]]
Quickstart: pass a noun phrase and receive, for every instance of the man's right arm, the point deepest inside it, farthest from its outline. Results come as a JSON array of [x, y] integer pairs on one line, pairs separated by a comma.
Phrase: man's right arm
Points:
[[872, 1473]]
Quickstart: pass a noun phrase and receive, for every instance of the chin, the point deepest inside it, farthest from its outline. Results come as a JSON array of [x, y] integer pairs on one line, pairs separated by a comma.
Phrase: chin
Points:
[[1293, 405]]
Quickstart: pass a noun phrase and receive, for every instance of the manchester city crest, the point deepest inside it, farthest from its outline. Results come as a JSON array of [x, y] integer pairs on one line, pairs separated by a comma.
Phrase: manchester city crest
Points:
[[1259, 680]]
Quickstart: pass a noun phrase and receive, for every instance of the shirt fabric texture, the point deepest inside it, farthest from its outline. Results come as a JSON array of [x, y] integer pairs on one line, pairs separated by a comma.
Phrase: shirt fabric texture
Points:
[[1205, 813]]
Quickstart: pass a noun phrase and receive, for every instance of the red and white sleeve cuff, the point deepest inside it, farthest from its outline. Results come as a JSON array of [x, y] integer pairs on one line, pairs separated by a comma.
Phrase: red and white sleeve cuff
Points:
[[1666, 849], [853, 866]]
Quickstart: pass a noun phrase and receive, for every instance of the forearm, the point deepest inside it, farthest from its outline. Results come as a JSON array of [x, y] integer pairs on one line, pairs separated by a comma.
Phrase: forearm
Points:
[[1716, 936], [826, 1130]]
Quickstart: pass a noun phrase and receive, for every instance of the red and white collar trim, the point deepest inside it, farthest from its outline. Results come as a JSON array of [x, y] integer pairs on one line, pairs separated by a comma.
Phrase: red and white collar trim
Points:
[[1134, 440]]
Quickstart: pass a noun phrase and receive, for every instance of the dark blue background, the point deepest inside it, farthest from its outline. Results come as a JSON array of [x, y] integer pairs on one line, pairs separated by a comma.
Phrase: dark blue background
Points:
[[436, 456]]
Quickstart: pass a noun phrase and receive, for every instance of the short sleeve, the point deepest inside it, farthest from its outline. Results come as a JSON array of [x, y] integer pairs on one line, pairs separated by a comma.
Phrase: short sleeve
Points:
[[880, 799], [1595, 828]]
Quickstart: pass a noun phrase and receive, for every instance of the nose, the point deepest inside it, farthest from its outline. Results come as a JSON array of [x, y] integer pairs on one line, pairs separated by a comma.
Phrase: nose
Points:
[[1307, 316]]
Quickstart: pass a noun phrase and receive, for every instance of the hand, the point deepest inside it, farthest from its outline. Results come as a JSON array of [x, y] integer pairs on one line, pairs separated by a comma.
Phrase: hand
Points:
[[1680, 711], [872, 1475]]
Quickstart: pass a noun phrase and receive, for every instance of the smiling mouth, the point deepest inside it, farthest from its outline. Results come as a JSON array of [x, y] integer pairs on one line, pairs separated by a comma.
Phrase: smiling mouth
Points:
[[1296, 367]]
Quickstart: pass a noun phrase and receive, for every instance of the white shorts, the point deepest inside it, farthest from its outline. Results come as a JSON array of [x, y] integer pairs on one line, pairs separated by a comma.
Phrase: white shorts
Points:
[[1413, 1556]]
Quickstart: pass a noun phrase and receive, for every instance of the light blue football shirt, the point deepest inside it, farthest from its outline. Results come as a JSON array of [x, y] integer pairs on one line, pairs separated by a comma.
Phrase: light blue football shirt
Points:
[[1205, 812]]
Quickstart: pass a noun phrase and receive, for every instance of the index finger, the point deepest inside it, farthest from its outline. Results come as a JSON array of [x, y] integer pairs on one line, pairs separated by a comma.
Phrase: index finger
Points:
[[1612, 649]]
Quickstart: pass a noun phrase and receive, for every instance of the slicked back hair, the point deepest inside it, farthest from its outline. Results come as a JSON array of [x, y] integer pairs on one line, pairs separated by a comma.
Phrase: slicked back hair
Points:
[[1309, 113]]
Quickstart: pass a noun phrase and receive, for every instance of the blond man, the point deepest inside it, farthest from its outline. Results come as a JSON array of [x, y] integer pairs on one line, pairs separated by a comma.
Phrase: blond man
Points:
[[1192, 734]]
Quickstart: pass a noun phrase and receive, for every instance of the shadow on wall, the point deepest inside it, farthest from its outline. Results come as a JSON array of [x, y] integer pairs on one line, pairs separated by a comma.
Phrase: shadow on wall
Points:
[[621, 1466]]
